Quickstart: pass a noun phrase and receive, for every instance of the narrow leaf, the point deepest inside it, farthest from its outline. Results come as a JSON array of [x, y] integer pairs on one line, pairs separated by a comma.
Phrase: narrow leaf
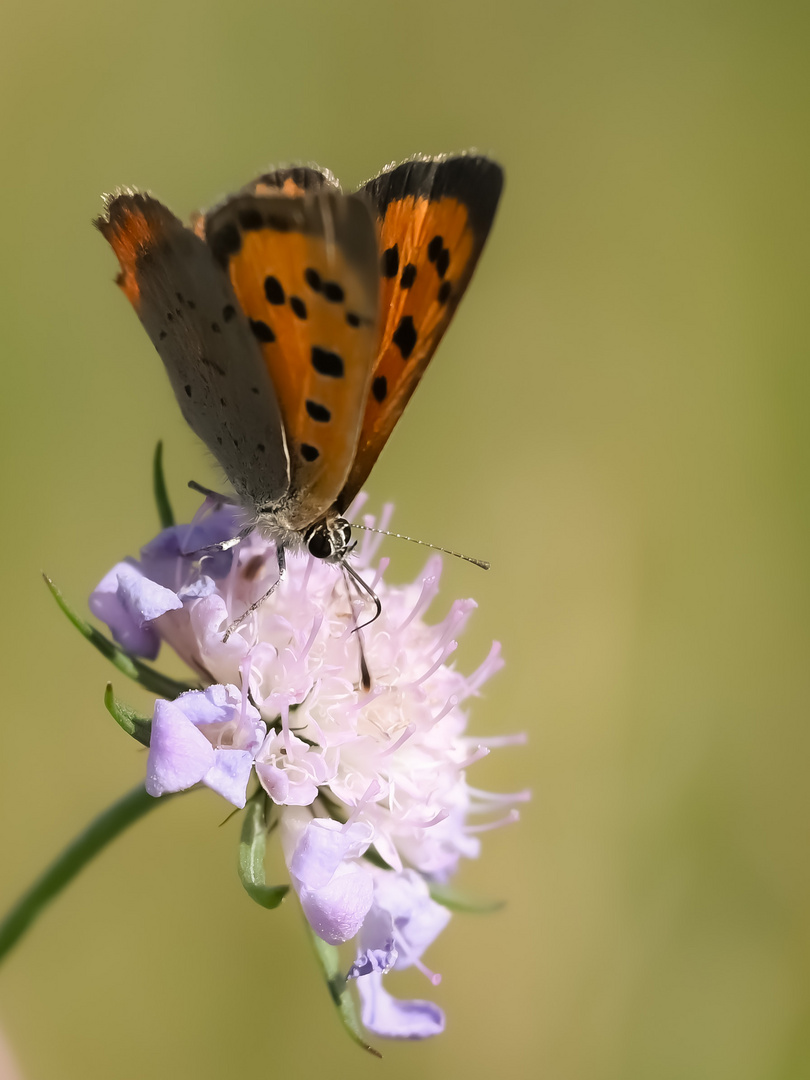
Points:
[[251, 857], [164, 507], [462, 902], [139, 727], [131, 667], [337, 984]]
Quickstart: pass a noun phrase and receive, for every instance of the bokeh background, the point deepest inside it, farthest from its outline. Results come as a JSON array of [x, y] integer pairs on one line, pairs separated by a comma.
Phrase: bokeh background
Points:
[[618, 419]]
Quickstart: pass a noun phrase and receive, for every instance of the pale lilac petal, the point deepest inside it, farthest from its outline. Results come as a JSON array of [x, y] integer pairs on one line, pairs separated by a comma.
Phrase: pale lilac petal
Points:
[[213, 705], [402, 902], [168, 558], [179, 755], [203, 586], [301, 792], [276, 783], [395, 1019], [336, 911], [208, 620], [290, 770], [125, 625], [323, 847], [229, 775], [222, 706], [144, 598]]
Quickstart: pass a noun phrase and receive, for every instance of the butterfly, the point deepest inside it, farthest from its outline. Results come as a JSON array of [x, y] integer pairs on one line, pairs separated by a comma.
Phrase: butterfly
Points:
[[295, 321]]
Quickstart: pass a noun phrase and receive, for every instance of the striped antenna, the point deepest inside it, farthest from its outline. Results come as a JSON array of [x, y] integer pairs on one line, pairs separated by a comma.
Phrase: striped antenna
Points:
[[400, 536]]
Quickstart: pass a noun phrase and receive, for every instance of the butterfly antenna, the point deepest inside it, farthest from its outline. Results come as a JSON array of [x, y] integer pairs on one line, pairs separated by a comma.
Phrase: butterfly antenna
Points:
[[365, 674], [400, 536]]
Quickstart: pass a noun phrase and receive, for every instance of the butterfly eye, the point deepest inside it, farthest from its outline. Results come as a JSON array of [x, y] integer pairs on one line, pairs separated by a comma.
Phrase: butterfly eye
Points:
[[319, 544]]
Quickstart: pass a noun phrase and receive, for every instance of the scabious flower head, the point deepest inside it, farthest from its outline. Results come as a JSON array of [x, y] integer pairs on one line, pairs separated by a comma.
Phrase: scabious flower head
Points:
[[370, 784]]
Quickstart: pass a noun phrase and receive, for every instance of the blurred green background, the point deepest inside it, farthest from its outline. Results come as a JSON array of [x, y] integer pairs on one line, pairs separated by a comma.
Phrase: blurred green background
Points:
[[617, 419]]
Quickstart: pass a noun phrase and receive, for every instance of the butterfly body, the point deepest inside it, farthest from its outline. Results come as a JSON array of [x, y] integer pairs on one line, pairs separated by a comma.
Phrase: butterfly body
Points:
[[295, 321]]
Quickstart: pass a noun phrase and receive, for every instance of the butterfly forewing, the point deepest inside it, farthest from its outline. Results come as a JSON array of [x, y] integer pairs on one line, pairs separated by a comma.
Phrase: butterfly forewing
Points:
[[295, 322], [190, 311], [433, 219], [305, 272]]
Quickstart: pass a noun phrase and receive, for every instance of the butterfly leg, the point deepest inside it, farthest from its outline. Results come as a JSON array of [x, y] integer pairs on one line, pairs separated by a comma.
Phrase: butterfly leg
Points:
[[223, 545], [282, 567], [216, 495]]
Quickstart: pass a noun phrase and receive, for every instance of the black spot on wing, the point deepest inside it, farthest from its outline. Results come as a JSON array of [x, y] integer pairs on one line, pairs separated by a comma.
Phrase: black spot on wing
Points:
[[228, 312], [445, 289], [273, 290], [408, 276], [309, 453], [326, 362], [333, 292], [389, 263], [298, 306], [313, 279], [379, 388], [262, 332], [404, 336], [318, 412], [352, 319]]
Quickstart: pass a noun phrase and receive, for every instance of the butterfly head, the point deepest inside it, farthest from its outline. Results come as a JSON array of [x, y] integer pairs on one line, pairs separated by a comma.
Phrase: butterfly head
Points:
[[328, 539]]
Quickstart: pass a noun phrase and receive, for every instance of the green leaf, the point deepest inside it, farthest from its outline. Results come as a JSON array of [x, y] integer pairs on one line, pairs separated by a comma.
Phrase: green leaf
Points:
[[131, 667], [462, 902], [139, 727], [251, 857], [329, 961], [164, 507]]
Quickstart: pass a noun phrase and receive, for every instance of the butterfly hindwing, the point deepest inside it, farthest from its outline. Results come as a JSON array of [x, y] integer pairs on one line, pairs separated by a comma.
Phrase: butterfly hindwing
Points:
[[294, 181], [188, 307], [305, 272], [433, 220]]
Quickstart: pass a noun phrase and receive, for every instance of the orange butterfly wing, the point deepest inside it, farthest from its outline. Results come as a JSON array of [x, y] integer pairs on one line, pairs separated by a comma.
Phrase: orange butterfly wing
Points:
[[433, 220], [305, 273]]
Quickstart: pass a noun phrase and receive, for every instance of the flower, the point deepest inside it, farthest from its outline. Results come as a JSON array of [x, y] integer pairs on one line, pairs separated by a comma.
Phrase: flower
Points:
[[208, 737], [369, 783], [401, 923]]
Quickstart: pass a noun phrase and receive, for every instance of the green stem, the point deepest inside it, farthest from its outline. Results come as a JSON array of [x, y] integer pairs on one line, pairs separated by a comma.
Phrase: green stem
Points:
[[74, 858]]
